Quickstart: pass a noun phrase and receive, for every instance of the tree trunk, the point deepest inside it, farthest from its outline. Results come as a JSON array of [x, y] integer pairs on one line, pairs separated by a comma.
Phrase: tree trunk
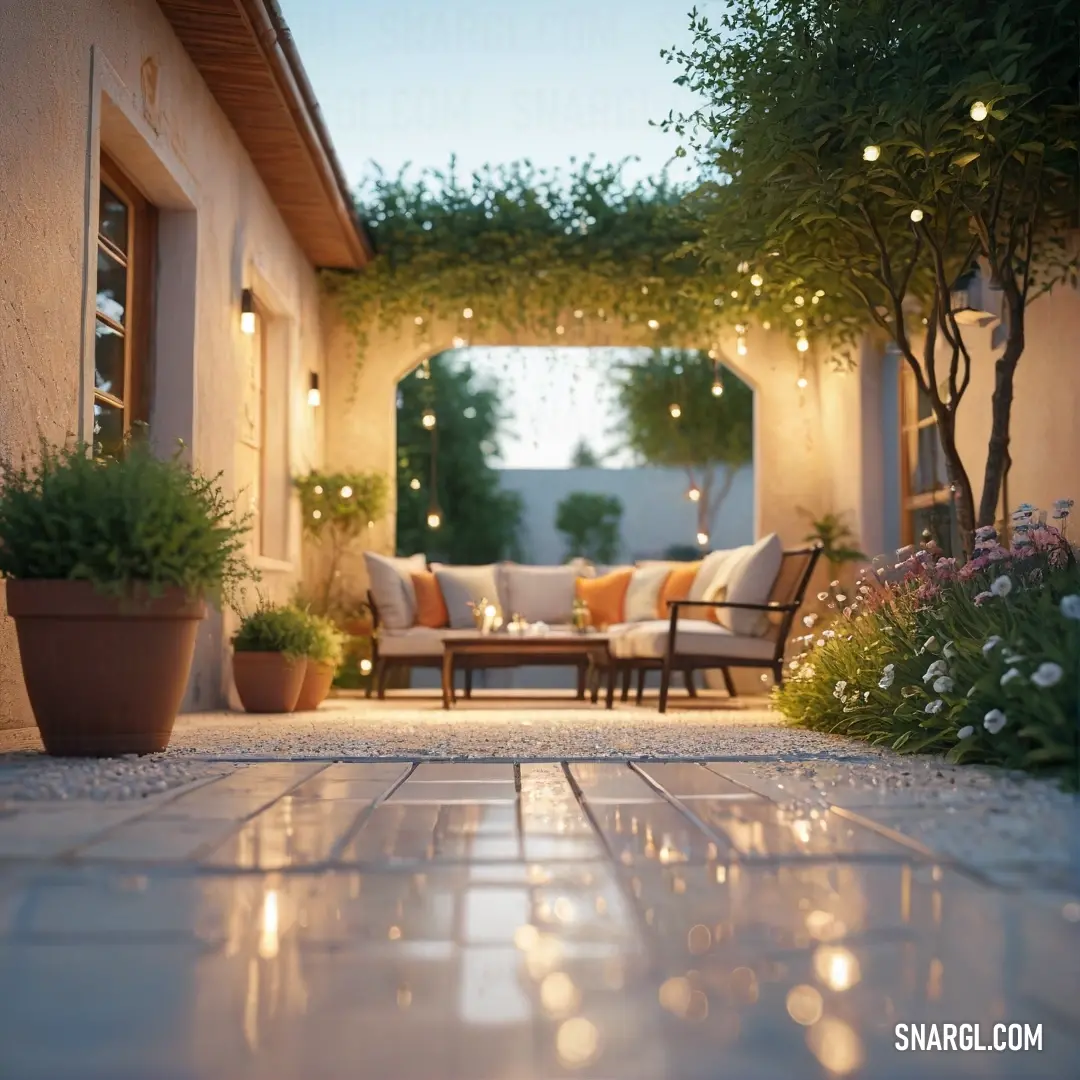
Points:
[[964, 499], [997, 455]]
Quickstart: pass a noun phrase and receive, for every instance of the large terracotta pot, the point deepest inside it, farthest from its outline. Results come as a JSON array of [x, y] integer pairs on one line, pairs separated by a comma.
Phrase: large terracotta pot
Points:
[[316, 687], [105, 675], [268, 682]]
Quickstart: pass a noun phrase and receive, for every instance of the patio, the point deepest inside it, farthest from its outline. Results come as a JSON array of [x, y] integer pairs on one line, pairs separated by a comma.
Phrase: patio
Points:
[[264, 908]]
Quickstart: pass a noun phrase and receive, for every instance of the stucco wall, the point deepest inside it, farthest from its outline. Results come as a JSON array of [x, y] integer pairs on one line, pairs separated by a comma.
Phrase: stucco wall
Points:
[[85, 73]]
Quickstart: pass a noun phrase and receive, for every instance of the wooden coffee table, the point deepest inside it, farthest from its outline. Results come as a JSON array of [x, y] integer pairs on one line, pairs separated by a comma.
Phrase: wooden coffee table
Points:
[[585, 651]]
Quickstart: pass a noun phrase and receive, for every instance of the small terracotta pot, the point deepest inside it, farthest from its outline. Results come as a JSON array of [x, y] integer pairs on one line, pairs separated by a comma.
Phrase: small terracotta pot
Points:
[[268, 682], [316, 688], [105, 675]]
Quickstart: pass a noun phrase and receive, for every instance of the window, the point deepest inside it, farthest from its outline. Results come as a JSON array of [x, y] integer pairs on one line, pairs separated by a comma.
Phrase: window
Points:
[[927, 502], [125, 269]]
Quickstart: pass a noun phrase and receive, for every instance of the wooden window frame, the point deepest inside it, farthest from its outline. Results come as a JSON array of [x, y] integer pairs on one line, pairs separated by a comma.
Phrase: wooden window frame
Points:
[[910, 428], [139, 262]]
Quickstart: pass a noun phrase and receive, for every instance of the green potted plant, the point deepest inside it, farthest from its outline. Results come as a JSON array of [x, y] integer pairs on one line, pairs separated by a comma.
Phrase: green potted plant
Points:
[[324, 658], [108, 564], [270, 652]]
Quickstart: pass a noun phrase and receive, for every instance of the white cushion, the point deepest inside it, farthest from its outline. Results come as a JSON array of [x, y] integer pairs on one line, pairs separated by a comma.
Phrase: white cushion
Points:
[[392, 587], [539, 593], [750, 580], [696, 638], [465, 585], [715, 569], [643, 592]]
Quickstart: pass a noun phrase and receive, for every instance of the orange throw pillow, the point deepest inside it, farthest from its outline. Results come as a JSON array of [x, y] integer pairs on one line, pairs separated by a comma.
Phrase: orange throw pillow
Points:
[[677, 587], [604, 596], [430, 605]]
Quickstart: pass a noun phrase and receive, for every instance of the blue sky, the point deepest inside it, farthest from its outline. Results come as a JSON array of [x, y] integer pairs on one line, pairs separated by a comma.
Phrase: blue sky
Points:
[[491, 81]]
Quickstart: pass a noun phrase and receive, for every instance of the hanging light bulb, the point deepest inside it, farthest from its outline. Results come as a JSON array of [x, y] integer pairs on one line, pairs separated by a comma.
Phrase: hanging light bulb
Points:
[[427, 418], [458, 342], [802, 382], [756, 280], [740, 346], [316, 514], [346, 492], [318, 489], [717, 386], [365, 666], [434, 519], [916, 215], [871, 152], [694, 494], [467, 313], [802, 344], [800, 300], [675, 409], [734, 294], [979, 111], [653, 324], [419, 320], [560, 329], [702, 539], [414, 483], [743, 267], [766, 325]]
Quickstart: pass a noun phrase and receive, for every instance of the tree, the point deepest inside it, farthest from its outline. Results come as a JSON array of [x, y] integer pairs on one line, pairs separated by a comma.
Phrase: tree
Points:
[[711, 438], [864, 157], [479, 522], [584, 457], [836, 538], [590, 522]]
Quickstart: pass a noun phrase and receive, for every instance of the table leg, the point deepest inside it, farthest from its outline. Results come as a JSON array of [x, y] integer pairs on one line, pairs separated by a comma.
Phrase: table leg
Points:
[[581, 681], [447, 678], [611, 673]]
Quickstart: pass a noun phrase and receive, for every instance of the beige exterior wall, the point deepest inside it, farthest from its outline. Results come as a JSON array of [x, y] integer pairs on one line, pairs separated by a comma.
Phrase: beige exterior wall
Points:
[[88, 74]]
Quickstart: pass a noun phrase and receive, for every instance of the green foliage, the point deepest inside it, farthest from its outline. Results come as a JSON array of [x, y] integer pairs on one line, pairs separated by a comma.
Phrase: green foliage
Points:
[[529, 250], [835, 537], [328, 642], [590, 522], [933, 661], [277, 629], [585, 457], [480, 521], [119, 521], [794, 91]]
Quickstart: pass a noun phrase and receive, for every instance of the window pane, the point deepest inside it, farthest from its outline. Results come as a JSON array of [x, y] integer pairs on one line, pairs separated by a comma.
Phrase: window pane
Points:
[[108, 360], [113, 219], [928, 471], [111, 287], [925, 409], [108, 429], [936, 523]]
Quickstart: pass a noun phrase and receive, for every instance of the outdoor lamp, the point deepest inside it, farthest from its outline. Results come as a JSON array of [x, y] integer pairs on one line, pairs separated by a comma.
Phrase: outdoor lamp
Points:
[[247, 312], [979, 111], [314, 398]]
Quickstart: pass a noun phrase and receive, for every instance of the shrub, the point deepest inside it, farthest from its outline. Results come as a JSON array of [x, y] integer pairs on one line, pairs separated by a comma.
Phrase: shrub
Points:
[[980, 662], [328, 642], [270, 628], [119, 521]]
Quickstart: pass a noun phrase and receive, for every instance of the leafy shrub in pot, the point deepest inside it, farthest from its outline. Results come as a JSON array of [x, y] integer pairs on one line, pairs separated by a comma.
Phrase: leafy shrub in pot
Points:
[[324, 659], [270, 657], [108, 564]]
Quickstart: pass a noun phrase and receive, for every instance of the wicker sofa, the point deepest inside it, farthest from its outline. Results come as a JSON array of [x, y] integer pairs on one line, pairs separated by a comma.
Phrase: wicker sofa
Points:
[[738, 612]]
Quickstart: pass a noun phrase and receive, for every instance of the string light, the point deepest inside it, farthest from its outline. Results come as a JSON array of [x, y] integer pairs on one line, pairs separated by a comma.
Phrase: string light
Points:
[[467, 313], [653, 324], [800, 301], [766, 325], [717, 386], [644, 290], [802, 344], [916, 215], [743, 267], [802, 382], [740, 346], [247, 312], [428, 419], [434, 519], [675, 409], [694, 494], [579, 314], [346, 492], [458, 342], [734, 294], [365, 666], [979, 111], [560, 329], [318, 489], [419, 320], [702, 539], [414, 483], [316, 514], [871, 152]]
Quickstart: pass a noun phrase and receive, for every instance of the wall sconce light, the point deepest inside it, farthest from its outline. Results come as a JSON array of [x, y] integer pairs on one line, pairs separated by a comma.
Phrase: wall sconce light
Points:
[[314, 398], [247, 312]]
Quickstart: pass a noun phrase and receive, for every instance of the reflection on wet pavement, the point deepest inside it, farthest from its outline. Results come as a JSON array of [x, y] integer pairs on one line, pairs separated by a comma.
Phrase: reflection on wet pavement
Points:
[[466, 922]]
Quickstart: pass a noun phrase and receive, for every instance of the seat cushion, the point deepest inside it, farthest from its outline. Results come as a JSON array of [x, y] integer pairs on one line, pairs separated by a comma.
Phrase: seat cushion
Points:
[[643, 592], [391, 583], [463, 586], [750, 580], [430, 605], [604, 596], [421, 642], [696, 638], [539, 593]]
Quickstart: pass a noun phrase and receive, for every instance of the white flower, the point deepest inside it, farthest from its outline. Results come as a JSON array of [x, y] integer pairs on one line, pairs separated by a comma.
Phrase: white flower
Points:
[[887, 677], [950, 650], [834, 584], [1010, 656], [965, 732], [809, 620], [820, 641], [934, 707], [943, 684], [840, 598], [1070, 606], [938, 667], [838, 690], [866, 695], [1002, 586], [1047, 675], [823, 596], [1012, 673], [994, 721], [992, 642], [930, 645], [828, 633]]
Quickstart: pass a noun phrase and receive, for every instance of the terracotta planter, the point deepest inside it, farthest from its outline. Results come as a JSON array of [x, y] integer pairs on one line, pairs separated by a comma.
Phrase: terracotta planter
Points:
[[268, 682], [105, 675], [316, 687]]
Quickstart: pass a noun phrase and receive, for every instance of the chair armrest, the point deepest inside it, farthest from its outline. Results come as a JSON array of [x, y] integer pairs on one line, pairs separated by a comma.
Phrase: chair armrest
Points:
[[771, 606]]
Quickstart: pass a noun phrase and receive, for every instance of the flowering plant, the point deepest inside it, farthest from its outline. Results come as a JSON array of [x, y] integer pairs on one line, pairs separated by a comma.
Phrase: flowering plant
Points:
[[980, 661]]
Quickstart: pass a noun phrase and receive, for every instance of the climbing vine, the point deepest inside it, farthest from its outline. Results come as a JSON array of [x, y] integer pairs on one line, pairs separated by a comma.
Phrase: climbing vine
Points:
[[522, 249]]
